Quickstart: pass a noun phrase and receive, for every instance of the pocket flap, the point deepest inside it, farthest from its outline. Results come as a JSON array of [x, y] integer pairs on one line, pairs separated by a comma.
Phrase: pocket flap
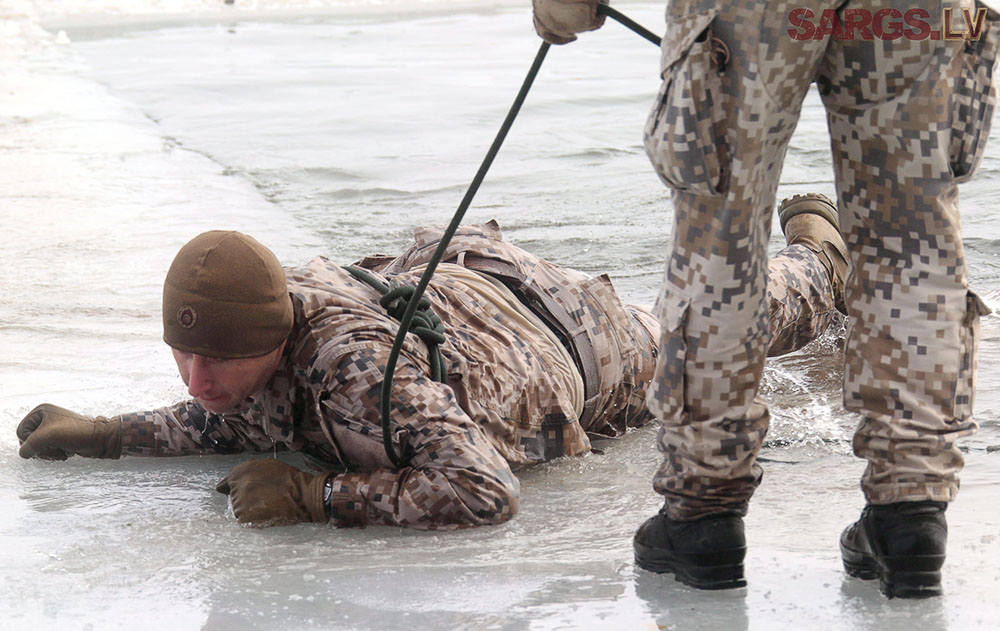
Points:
[[681, 33], [976, 305], [672, 311], [430, 235]]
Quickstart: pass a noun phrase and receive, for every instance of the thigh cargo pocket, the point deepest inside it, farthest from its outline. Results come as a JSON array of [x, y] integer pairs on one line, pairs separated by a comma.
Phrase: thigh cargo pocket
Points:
[[667, 391], [974, 99], [682, 134], [968, 336]]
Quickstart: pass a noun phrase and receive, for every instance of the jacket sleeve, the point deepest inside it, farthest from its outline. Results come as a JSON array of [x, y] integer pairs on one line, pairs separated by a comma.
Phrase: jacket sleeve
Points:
[[454, 477], [187, 428]]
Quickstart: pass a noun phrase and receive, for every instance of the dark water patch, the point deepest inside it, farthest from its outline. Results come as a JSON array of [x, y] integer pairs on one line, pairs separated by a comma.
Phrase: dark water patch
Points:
[[369, 196], [307, 175], [983, 254], [603, 152]]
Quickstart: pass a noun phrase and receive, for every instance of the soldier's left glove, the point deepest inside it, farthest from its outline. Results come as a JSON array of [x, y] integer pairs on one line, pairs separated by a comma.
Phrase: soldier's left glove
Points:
[[272, 493], [558, 21]]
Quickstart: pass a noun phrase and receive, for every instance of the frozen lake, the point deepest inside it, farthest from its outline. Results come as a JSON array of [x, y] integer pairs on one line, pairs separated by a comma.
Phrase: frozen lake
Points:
[[326, 127]]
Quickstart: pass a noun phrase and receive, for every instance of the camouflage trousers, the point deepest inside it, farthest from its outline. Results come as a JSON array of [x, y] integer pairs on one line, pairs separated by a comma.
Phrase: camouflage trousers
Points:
[[908, 117], [800, 307]]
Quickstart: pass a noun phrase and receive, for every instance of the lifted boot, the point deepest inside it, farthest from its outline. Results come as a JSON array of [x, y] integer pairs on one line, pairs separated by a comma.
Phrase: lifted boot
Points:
[[811, 220], [706, 553]]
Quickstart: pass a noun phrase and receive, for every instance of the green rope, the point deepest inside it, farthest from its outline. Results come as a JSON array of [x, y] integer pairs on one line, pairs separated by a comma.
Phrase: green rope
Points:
[[415, 297], [425, 324]]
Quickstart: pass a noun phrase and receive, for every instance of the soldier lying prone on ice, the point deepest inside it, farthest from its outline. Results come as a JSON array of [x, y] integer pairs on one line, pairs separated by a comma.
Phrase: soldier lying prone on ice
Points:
[[537, 356]]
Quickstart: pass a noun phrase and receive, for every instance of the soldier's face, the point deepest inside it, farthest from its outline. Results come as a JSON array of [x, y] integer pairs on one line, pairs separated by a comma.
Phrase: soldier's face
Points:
[[218, 385]]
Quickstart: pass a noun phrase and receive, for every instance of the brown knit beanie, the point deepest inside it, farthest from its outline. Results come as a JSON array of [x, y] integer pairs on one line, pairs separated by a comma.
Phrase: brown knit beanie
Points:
[[225, 296]]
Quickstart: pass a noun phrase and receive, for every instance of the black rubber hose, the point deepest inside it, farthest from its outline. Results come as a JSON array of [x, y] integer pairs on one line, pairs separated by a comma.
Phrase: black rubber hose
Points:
[[603, 9], [404, 323]]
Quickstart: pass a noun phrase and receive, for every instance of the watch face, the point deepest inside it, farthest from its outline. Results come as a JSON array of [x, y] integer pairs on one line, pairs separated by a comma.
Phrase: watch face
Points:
[[327, 495]]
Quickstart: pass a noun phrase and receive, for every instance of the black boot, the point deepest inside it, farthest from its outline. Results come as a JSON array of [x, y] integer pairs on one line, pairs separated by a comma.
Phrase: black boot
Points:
[[903, 545], [706, 553]]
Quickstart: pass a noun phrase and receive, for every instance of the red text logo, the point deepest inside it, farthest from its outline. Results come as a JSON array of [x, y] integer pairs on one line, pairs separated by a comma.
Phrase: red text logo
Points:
[[913, 24]]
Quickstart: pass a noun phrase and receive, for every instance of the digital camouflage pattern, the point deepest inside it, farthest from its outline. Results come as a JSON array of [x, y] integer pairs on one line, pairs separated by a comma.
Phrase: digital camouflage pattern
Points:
[[908, 119], [504, 405]]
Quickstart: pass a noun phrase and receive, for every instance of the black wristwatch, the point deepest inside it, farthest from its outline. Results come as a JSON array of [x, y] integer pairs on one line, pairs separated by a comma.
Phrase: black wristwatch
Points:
[[328, 495]]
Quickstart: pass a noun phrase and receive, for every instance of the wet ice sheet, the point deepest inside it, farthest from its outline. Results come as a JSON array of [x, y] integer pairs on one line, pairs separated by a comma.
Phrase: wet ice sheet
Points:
[[143, 543], [115, 151]]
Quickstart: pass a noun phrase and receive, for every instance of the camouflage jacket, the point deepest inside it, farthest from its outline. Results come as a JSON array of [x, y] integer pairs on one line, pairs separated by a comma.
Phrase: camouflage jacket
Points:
[[501, 405]]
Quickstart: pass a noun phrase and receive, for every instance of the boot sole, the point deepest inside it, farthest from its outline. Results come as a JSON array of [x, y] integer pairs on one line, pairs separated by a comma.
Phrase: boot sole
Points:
[[720, 570], [801, 205], [916, 576]]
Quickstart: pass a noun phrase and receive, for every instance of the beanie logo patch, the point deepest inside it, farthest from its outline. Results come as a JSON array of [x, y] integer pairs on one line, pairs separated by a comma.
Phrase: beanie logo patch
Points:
[[187, 316]]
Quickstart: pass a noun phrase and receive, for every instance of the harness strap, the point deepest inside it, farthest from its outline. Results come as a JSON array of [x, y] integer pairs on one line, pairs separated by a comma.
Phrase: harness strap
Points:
[[555, 316]]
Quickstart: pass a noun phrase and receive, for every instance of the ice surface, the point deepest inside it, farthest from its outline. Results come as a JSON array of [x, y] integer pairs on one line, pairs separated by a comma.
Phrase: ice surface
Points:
[[334, 127]]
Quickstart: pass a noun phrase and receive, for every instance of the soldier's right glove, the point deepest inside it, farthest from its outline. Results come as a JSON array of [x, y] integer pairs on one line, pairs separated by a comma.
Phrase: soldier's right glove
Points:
[[50, 432], [272, 493], [558, 21]]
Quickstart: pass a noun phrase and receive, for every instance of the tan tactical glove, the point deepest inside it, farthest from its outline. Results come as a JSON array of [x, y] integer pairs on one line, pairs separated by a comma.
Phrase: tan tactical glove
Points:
[[272, 493], [50, 432], [558, 21]]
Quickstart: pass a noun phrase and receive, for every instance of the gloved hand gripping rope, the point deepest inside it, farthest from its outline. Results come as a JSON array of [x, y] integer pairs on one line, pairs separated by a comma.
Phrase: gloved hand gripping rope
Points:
[[415, 300]]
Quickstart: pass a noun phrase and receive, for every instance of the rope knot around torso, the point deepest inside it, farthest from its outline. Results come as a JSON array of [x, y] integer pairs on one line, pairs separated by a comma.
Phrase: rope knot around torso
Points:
[[425, 324]]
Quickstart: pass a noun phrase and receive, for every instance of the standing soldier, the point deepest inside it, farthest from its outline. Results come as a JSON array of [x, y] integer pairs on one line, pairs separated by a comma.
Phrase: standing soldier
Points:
[[909, 106]]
